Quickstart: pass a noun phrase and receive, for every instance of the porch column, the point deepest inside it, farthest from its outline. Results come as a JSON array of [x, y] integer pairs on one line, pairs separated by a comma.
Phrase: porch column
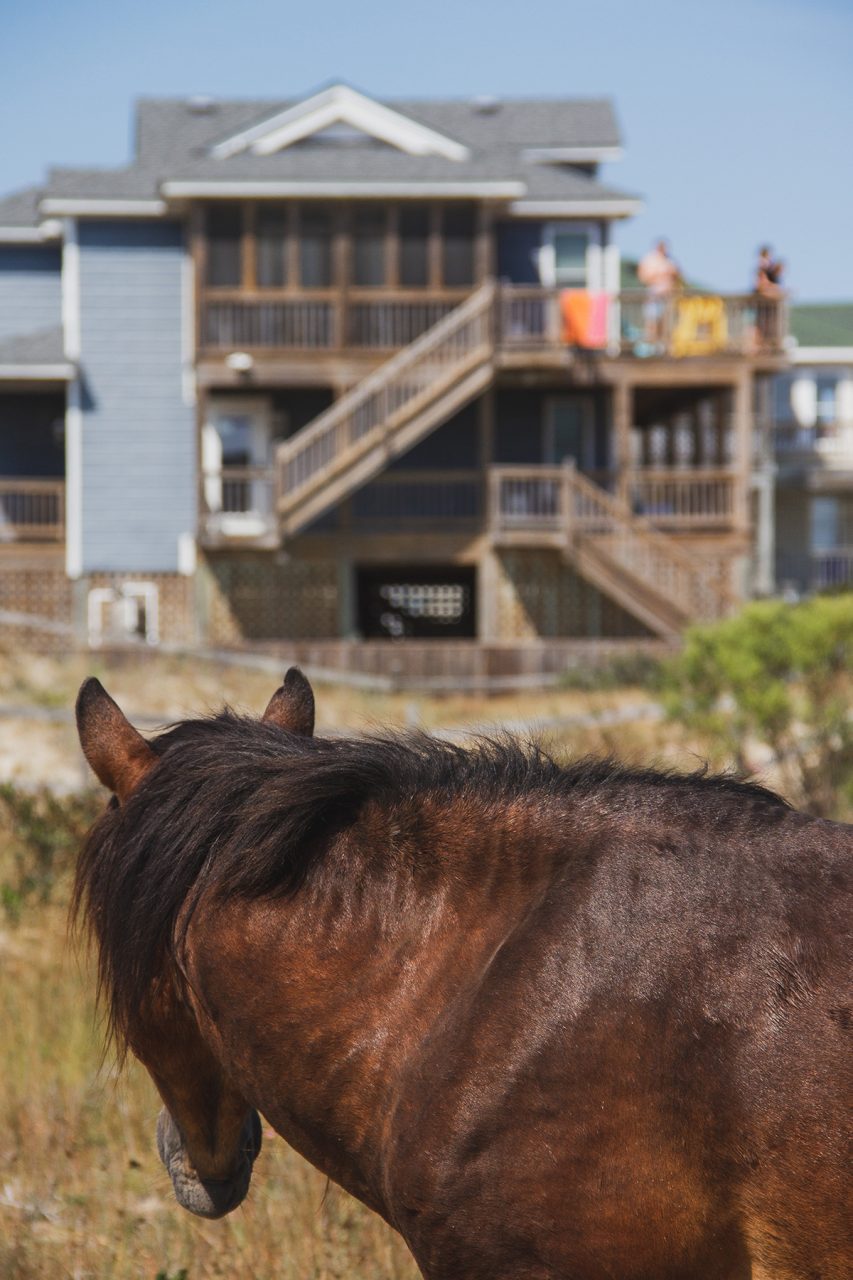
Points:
[[742, 448], [488, 583], [623, 412], [742, 466], [764, 566], [764, 488]]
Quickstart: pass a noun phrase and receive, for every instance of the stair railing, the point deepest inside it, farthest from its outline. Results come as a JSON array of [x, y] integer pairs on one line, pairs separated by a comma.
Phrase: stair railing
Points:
[[371, 411]]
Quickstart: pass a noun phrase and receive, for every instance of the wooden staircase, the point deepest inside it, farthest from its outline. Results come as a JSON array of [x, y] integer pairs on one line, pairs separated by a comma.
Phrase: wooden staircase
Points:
[[620, 553], [386, 413]]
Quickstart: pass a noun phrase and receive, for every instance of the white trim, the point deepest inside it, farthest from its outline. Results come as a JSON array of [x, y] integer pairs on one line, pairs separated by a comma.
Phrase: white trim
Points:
[[48, 230], [37, 372], [417, 190], [74, 402], [576, 155], [189, 388], [576, 208], [187, 554], [71, 291], [822, 355], [340, 105], [83, 208], [74, 481]]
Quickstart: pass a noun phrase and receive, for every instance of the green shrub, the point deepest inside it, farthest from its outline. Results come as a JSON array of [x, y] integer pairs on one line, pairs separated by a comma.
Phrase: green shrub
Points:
[[41, 836], [777, 675]]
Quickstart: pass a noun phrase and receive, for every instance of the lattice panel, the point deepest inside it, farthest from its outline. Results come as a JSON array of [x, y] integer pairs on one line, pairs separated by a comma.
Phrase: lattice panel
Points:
[[540, 596], [42, 591], [253, 597]]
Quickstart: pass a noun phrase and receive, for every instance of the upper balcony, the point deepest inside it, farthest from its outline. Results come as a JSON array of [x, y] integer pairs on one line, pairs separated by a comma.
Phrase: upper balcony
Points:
[[351, 278], [528, 322], [632, 324]]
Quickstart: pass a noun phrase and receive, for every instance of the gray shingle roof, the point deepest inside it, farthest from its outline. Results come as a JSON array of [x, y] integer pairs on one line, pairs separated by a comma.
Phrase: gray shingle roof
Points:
[[172, 127], [42, 347], [21, 209], [174, 138]]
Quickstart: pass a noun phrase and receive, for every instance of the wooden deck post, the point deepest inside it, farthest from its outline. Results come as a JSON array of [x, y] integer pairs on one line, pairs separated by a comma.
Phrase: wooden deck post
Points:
[[742, 447], [486, 407], [567, 504], [488, 580], [623, 412]]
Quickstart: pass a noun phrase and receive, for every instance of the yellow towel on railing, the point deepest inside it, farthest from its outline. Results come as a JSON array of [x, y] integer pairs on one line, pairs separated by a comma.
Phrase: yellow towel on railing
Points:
[[700, 326]]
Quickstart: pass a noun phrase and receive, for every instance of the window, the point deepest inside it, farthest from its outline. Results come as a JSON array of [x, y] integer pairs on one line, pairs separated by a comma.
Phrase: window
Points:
[[569, 258], [414, 246], [224, 227], [458, 245], [315, 247], [271, 253], [368, 245], [827, 391]]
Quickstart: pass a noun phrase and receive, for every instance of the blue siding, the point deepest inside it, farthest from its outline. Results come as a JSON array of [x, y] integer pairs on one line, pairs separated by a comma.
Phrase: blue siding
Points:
[[139, 450], [30, 289]]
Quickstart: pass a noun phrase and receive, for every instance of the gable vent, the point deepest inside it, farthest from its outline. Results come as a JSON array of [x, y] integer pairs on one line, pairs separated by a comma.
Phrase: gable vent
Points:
[[201, 105]]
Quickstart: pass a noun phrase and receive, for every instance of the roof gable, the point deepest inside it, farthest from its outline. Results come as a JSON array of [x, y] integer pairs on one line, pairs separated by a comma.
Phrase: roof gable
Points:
[[340, 107]]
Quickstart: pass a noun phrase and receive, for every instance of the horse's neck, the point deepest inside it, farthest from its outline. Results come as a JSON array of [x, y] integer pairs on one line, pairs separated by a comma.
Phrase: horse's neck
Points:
[[333, 991]]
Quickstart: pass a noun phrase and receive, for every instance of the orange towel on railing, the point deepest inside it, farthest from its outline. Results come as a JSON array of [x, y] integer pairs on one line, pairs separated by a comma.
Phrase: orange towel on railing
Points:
[[584, 318]]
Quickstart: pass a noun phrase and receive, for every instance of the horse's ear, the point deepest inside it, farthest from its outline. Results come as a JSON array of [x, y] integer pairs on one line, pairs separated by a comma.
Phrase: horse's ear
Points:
[[119, 755], [292, 706]]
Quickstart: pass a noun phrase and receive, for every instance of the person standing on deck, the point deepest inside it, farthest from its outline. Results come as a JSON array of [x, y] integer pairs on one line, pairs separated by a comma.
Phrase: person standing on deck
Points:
[[660, 274], [767, 285]]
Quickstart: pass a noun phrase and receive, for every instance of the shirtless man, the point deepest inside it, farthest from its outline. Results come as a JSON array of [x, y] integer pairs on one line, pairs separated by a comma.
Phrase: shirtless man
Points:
[[660, 274]]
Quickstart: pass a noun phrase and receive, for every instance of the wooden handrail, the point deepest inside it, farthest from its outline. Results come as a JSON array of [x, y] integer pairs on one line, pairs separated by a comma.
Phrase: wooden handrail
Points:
[[372, 410]]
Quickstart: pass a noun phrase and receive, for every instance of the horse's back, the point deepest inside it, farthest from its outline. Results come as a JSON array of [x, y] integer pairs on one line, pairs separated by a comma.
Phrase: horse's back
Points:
[[646, 1077]]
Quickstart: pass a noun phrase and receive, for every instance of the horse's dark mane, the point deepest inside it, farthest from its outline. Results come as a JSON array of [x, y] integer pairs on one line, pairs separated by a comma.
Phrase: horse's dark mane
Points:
[[241, 807]]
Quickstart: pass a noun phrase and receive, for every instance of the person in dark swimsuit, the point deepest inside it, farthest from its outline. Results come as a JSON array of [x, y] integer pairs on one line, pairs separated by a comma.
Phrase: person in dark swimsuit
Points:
[[768, 286]]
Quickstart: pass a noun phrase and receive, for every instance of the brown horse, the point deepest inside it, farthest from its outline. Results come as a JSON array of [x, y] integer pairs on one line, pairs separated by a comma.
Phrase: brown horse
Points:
[[548, 1022]]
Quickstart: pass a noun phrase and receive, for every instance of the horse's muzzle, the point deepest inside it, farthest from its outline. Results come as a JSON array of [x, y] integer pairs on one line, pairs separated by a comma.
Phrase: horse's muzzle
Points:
[[207, 1197]]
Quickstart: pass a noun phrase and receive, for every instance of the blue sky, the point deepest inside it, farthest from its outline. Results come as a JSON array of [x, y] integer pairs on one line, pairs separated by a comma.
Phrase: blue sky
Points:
[[737, 114]]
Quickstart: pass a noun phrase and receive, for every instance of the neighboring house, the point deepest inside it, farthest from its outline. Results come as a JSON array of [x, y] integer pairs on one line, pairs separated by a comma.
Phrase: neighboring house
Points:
[[336, 369], [813, 446]]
